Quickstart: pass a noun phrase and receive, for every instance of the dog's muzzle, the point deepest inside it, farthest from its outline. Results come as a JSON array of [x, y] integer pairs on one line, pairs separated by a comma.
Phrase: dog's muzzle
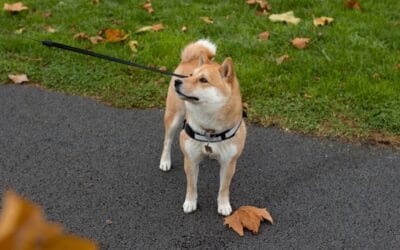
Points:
[[178, 84]]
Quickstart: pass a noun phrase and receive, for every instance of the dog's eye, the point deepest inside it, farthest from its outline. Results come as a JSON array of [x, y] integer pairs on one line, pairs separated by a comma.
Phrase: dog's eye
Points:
[[203, 80], [190, 75]]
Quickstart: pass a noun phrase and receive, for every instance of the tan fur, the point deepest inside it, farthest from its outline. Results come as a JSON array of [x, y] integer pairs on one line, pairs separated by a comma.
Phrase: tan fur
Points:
[[204, 116]]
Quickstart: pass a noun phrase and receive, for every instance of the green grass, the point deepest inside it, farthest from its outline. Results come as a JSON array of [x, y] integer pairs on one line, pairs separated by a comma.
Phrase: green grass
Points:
[[349, 68]]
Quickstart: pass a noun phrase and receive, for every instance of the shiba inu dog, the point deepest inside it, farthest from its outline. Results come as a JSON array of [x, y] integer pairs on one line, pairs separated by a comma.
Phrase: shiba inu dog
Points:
[[209, 104]]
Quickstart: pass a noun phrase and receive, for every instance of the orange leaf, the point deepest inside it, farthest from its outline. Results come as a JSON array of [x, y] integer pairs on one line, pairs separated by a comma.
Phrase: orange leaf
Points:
[[353, 4], [148, 6], [157, 27], [322, 21], [264, 35], [14, 7], [248, 217], [23, 226], [115, 35], [18, 79], [300, 42]]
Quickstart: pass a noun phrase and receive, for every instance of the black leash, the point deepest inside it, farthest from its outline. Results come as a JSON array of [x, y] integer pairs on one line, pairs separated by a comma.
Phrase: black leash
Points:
[[49, 43]]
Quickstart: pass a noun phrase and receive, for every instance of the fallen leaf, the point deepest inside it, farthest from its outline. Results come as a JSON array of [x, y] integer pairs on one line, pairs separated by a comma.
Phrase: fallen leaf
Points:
[[282, 59], [20, 31], [263, 5], [47, 14], [148, 6], [184, 29], [14, 7], [353, 4], [96, 39], [50, 29], [160, 81], [207, 19], [109, 222], [264, 35], [307, 96], [81, 36], [19, 78], [133, 45], [115, 35], [23, 226], [287, 17], [163, 68], [322, 21], [155, 27], [247, 217], [300, 42]]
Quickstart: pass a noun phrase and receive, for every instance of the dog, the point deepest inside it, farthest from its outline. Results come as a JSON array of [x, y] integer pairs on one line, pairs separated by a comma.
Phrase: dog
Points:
[[209, 104]]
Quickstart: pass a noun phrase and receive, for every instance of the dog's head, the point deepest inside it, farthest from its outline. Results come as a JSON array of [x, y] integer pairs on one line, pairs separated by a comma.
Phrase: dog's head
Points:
[[210, 83]]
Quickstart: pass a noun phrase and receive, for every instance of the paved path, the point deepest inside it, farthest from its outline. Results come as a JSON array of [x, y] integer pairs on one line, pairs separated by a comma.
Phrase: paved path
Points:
[[86, 163]]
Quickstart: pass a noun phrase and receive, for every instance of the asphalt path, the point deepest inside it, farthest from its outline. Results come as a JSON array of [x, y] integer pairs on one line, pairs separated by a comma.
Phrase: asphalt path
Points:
[[87, 163]]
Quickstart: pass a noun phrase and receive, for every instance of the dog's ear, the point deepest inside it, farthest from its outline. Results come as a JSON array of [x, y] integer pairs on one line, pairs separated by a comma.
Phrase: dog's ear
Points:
[[203, 59], [227, 69]]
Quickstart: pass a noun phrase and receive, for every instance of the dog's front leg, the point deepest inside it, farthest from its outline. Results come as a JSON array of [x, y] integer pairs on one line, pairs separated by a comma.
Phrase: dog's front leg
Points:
[[226, 173], [192, 172]]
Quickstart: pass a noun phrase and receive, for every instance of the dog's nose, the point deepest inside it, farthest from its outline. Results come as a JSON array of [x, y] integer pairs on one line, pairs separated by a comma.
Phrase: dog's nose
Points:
[[178, 83]]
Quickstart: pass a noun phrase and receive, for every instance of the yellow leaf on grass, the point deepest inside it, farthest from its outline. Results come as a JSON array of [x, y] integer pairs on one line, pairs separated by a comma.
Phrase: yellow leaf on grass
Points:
[[184, 28], [96, 39], [207, 19], [115, 35], [133, 45], [20, 31], [50, 29], [322, 21], [248, 217], [14, 7], [23, 226], [300, 42], [287, 17], [155, 27], [263, 5], [264, 35], [282, 59], [18, 78]]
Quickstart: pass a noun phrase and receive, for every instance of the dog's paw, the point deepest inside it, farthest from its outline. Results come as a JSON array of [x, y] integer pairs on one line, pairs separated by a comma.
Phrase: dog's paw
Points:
[[165, 165], [224, 209], [189, 206]]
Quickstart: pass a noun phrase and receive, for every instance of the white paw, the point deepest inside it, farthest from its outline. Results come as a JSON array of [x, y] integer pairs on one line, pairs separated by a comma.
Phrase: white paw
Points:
[[165, 164], [189, 206], [224, 209]]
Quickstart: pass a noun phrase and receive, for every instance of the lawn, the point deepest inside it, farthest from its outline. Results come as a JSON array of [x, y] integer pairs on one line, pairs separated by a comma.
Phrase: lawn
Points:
[[345, 84]]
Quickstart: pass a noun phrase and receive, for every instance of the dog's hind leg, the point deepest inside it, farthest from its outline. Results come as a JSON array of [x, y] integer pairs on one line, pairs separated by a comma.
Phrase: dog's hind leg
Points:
[[172, 121]]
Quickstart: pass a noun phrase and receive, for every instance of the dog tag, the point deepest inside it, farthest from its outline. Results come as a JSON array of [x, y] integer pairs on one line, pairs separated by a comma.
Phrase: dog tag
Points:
[[208, 148]]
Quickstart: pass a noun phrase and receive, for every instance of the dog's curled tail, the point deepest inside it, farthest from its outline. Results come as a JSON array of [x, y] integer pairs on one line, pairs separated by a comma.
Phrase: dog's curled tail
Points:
[[195, 50]]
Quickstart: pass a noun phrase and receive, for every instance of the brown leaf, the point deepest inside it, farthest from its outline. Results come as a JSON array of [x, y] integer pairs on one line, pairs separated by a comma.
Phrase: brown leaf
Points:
[[248, 217], [133, 45], [163, 68], [148, 6], [207, 19], [157, 27], [353, 4], [23, 226], [184, 28], [322, 21], [14, 7], [19, 78], [287, 17], [282, 59], [95, 2], [81, 36], [96, 39], [300, 42], [264, 35], [115, 35], [46, 14], [50, 29], [263, 5]]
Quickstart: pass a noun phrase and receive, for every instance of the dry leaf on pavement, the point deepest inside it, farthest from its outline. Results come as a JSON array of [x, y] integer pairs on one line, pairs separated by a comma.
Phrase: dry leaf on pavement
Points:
[[282, 59], [14, 7], [300, 42], [322, 21], [287, 17], [23, 226], [264, 35], [19, 78], [353, 4], [115, 35], [247, 217], [148, 6], [207, 19]]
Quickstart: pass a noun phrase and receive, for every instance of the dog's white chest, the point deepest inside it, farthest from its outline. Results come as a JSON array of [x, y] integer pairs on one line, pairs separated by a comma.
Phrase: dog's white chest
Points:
[[218, 150]]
